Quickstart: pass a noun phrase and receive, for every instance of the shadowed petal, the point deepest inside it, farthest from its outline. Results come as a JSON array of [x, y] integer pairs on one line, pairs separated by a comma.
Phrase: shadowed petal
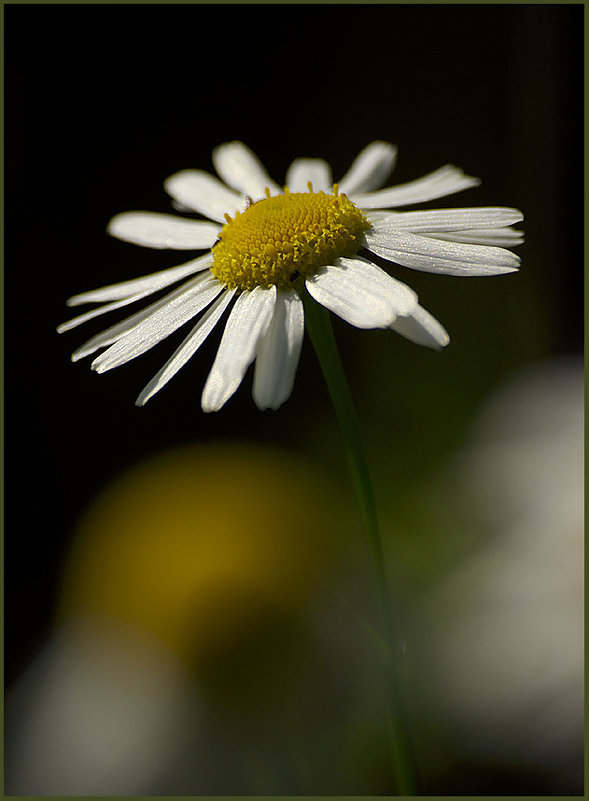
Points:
[[422, 328]]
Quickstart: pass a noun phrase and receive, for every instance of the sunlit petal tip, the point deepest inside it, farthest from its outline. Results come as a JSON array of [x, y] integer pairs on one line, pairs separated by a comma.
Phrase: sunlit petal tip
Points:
[[440, 343], [508, 270], [208, 405], [78, 354]]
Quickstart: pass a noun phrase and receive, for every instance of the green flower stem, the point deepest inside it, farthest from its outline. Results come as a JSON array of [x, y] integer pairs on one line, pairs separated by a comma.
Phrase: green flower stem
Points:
[[318, 325]]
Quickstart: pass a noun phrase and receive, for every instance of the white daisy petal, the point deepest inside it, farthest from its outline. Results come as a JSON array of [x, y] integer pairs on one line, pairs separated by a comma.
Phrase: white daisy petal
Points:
[[497, 237], [361, 293], [370, 169], [199, 191], [445, 181], [161, 231], [241, 169], [422, 328], [444, 220], [146, 285], [278, 352], [302, 170], [160, 324], [89, 315], [117, 331], [435, 256], [248, 321], [188, 348]]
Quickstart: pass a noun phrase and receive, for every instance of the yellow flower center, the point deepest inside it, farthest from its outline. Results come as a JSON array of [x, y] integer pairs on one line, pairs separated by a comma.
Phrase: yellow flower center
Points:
[[278, 239]]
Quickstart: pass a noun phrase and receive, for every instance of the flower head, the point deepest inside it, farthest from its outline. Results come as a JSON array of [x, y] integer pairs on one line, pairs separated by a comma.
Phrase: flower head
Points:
[[267, 245]]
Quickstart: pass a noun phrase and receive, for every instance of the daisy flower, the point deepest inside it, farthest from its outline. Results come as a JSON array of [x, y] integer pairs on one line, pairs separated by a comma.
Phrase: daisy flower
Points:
[[266, 245]]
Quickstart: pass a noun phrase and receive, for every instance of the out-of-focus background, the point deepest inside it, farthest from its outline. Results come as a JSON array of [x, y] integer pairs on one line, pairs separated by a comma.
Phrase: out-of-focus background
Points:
[[183, 591]]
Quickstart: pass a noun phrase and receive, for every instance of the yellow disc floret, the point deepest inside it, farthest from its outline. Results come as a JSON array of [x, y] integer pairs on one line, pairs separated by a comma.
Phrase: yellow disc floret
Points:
[[278, 239]]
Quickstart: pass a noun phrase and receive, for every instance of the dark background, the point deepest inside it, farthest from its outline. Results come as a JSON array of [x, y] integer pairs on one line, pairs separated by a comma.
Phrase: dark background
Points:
[[104, 102]]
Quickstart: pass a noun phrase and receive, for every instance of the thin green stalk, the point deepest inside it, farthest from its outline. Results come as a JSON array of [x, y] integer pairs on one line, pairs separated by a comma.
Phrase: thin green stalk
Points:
[[318, 325]]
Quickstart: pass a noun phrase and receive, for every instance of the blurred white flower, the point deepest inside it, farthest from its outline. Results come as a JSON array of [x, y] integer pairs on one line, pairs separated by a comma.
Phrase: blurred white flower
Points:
[[103, 710], [266, 245], [506, 648]]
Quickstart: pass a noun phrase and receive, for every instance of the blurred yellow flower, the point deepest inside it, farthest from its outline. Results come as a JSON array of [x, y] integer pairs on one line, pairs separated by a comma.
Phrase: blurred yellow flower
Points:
[[201, 545]]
